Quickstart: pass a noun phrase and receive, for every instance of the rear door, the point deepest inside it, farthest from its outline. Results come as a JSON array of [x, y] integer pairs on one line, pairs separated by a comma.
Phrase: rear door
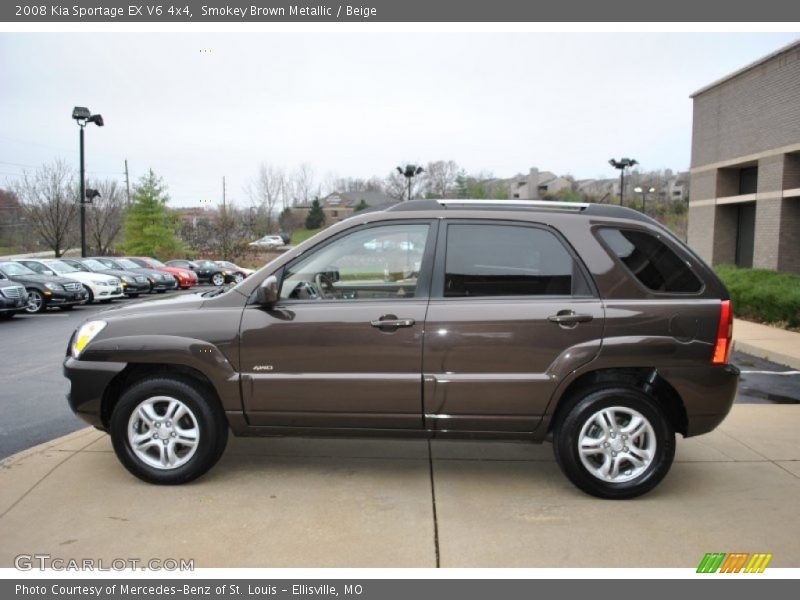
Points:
[[512, 310]]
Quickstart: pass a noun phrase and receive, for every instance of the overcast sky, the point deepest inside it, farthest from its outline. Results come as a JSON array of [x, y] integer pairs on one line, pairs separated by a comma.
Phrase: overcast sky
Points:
[[356, 104]]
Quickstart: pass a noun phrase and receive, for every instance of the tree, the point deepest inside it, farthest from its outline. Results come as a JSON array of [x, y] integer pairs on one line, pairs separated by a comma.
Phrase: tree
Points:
[[11, 220], [362, 205], [265, 191], [105, 216], [289, 221], [316, 216], [49, 200], [150, 229], [229, 237], [303, 179], [440, 177]]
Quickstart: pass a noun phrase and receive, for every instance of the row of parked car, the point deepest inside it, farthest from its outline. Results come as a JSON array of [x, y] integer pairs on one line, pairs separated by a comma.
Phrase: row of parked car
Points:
[[32, 285]]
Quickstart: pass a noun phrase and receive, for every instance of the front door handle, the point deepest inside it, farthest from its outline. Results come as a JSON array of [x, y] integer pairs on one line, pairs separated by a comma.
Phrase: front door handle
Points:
[[569, 317], [391, 323]]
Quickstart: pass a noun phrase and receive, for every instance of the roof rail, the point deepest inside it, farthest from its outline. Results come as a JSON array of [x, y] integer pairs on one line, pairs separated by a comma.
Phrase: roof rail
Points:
[[586, 208], [523, 203]]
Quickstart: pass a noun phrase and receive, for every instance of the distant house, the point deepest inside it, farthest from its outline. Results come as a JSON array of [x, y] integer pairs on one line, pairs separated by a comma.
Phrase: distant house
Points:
[[534, 185], [340, 205], [194, 216]]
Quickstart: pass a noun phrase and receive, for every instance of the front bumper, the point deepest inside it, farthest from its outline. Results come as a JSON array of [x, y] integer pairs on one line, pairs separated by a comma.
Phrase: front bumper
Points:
[[136, 288], [88, 383], [12, 305], [160, 284], [107, 292], [64, 298]]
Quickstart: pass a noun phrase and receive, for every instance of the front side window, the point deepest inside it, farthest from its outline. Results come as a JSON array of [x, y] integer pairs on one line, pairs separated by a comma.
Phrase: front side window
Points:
[[651, 261], [506, 260], [374, 263]]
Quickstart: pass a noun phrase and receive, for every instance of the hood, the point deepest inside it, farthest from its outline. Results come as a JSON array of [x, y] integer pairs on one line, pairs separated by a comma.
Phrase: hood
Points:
[[37, 278], [118, 273], [187, 273], [181, 302]]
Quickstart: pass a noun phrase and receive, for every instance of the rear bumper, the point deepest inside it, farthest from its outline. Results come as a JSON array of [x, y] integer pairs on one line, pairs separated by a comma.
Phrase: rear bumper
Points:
[[88, 383], [708, 394]]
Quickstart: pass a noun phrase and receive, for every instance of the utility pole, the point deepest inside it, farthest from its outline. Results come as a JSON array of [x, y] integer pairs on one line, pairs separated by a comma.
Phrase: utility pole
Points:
[[127, 183], [83, 202], [223, 193]]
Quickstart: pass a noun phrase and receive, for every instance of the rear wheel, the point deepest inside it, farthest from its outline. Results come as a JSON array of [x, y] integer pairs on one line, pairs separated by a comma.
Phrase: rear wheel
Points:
[[168, 430], [238, 278], [615, 443]]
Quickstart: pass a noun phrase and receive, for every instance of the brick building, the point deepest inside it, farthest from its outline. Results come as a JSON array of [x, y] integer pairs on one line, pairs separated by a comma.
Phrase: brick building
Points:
[[745, 171]]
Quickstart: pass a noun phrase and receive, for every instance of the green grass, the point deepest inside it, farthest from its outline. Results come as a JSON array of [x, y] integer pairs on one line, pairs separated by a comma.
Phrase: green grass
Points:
[[301, 235], [763, 295]]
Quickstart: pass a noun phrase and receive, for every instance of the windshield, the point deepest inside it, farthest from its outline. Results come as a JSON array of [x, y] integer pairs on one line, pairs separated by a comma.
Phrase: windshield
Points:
[[11, 269], [153, 261], [127, 264], [61, 267], [95, 265]]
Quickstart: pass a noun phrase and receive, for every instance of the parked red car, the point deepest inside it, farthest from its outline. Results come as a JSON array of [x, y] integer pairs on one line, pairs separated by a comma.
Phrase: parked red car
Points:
[[186, 278]]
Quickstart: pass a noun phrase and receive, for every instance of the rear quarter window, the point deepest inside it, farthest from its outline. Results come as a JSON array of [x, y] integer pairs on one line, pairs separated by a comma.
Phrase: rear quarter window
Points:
[[657, 266]]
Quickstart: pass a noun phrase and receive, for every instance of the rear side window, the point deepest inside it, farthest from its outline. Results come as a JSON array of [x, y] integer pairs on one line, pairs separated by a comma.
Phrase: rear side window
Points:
[[651, 261], [506, 260]]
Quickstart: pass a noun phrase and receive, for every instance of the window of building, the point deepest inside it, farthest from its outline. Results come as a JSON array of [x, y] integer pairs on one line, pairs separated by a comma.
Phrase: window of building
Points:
[[748, 180], [651, 261], [507, 260]]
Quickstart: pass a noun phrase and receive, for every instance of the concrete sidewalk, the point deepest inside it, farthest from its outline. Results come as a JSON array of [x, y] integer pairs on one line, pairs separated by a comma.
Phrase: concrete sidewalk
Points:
[[770, 343], [384, 503]]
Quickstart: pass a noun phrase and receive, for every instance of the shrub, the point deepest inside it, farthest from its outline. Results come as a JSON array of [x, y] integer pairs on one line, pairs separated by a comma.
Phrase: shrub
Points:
[[762, 295]]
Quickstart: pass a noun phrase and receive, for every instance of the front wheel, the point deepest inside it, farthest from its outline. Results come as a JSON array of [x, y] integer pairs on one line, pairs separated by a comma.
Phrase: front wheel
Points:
[[36, 303], [238, 278], [168, 430], [615, 443], [218, 279]]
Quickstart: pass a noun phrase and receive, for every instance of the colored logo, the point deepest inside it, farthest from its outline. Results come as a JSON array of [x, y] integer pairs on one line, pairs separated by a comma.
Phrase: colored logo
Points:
[[737, 562]]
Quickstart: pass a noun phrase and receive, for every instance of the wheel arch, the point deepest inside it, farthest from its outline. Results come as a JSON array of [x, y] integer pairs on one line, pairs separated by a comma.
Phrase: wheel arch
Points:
[[646, 379]]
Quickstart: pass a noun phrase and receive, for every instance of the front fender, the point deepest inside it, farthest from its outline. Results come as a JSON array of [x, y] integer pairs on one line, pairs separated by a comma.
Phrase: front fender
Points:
[[172, 350]]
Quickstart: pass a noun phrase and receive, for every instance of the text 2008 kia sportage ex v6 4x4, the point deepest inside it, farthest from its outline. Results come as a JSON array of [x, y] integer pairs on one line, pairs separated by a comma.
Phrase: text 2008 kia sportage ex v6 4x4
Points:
[[590, 325]]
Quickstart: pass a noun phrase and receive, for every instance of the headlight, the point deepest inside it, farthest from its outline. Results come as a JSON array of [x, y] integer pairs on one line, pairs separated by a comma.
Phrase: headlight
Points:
[[53, 286], [224, 273], [85, 334], [127, 279]]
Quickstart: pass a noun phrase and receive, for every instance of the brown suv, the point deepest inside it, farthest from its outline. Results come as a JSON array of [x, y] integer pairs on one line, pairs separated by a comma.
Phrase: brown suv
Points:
[[590, 325]]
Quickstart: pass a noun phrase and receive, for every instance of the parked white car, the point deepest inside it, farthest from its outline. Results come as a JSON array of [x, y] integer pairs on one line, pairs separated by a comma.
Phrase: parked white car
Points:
[[268, 241], [101, 288]]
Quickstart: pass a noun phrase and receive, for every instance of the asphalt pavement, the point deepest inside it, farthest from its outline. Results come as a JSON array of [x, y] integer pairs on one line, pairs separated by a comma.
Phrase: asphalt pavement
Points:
[[33, 406]]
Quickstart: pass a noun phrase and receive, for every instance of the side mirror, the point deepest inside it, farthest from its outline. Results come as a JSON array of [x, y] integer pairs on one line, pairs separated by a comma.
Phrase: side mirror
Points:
[[267, 292]]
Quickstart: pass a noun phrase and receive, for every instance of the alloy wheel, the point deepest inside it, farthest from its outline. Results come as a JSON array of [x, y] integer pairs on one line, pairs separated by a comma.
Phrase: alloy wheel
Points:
[[163, 432]]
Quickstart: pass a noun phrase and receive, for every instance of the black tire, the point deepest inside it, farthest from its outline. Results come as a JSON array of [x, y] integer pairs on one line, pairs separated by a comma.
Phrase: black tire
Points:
[[90, 297], [218, 279], [205, 408], [567, 434]]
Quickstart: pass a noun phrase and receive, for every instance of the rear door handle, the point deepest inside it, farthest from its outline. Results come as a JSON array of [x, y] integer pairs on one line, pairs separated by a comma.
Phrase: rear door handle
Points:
[[569, 317], [390, 322]]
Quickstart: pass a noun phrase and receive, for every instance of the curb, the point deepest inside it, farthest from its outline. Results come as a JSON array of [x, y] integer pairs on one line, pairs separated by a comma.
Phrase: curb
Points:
[[776, 357]]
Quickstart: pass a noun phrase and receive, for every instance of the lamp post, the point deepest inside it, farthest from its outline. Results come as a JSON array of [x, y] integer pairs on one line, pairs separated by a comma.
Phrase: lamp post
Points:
[[644, 191], [82, 116], [622, 164], [409, 173]]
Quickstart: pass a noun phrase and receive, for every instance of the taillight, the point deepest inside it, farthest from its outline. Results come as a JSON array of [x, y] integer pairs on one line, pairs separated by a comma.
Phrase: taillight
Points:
[[722, 348]]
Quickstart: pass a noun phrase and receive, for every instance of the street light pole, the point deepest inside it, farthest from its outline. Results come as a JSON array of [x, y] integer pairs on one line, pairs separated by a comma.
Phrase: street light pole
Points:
[[82, 116], [622, 164], [644, 192], [409, 173], [83, 198]]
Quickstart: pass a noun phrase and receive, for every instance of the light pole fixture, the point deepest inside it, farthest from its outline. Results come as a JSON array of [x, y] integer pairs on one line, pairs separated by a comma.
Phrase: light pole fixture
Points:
[[644, 191], [409, 173], [82, 116], [622, 164]]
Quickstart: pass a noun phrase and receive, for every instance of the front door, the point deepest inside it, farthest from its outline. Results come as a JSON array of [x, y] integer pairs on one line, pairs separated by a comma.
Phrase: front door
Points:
[[343, 346], [511, 312]]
